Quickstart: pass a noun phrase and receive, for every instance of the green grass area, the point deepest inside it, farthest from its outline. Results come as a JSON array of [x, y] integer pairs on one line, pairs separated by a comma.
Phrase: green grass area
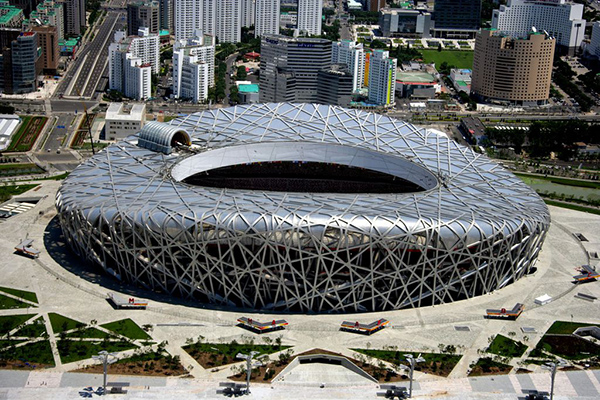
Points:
[[571, 347], [30, 296], [460, 59], [27, 133], [435, 363], [36, 329], [6, 192], [8, 302], [506, 347], [563, 181], [170, 118], [8, 343], [224, 353], [566, 328], [487, 366], [127, 328], [61, 323], [10, 322], [572, 206], [73, 350], [91, 333], [38, 352], [20, 169], [54, 178]]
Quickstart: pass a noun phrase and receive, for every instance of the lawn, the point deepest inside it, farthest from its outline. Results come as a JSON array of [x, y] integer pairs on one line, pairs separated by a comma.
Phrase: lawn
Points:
[[571, 347], [27, 134], [91, 333], [216, 354], [36, 329], [506, 347], [10, 322], [30, 296], [72, 350], [127, 328], [460, 59], [435, 363], [487, 366], [38, 352], [6, 192], [566, 328], [7, 343], [61, 323], [148, 363], [572, 206], [8, 302]]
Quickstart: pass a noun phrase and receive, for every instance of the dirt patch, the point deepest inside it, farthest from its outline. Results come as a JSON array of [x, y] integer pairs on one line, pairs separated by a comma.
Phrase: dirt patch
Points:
[[21, 366], [144, 368]]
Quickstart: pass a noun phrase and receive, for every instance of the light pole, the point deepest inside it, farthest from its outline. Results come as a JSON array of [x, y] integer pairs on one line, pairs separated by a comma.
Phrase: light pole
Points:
[[412, 361], [249, 365], [103, 355], [552, 366]]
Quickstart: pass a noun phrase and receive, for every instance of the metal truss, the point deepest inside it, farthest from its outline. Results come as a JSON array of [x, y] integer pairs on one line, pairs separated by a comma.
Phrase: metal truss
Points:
[[478, 228]]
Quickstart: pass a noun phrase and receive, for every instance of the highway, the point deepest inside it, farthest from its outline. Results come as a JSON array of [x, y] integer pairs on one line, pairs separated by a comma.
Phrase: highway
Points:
[[91, 61]]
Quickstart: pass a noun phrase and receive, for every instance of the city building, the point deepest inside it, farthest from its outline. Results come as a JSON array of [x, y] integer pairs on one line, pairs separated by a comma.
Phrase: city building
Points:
[[228, 21], [50, 52], [166, 10], [512, 70], [267, 18], [222, 19], [249, 12], [289, 67], [461, 79], [375, 5], [26, 5], [10, 16], [194, 67], [49, 13], [400, 22], [248, 93], [382, 78], [8, 126], [20, 61], [352, 55], [124, 120], [594, 47], [132, 60], [310, 17], [288, 19], [143, 14], [456, 19], [335, 86], [561, 20], [74, 17], [416, 85], [327, 210], [188, 17]]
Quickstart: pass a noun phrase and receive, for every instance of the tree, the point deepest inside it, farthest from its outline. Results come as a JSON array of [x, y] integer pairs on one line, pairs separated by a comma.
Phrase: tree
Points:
[[378, 44], [234, 97], [241, 73]]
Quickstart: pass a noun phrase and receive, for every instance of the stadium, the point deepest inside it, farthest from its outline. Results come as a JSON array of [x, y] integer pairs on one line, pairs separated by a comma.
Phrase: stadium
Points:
[[302, 208]]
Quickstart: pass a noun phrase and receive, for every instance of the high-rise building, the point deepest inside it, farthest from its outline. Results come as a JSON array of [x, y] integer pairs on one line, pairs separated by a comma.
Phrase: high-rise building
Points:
[[194, 67], [382, 78], [512, 70], [21, 62], [334, 86], [165, 11], [375, 5], [143, 14], [287, 62], [400, 22], [310, 15], [456, 19], [10, 16], [559, 19], [248, 13], [48, 42], [26, 5], [132, 60], [267, 18], [49, 13], [228, 21], [188, 16], [594, 47], [74, 17], [352, 55]]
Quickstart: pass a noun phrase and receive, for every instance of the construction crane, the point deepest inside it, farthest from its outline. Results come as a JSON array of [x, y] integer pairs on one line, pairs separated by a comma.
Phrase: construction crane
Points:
[[87, 120]]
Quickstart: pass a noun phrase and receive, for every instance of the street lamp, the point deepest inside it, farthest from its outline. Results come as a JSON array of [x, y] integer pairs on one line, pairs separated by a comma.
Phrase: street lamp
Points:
[[249, 365], [103, 355], [552, 366], [412, 362]]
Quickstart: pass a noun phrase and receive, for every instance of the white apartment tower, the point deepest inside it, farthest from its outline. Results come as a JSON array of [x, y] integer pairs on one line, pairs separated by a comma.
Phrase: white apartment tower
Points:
[[146, 46], [220, 18], [559, 19], [188, 16], [74, 16], [594, 47], [382, 78], [248, 13], [310, 14], [352, 55], [267, 18], [194, 67], [228, 21]]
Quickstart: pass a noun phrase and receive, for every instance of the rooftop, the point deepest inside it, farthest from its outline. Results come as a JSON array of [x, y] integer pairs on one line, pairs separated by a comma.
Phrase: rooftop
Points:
[[248, 88], [122, 111], [415, 77]]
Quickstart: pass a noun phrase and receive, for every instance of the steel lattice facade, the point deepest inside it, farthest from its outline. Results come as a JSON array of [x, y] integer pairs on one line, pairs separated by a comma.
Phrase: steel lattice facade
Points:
[[474, 227]]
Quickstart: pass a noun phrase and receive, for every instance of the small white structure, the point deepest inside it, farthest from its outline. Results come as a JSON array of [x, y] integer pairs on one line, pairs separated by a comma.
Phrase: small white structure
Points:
[[8, 126], [123, 120], [544, 299]]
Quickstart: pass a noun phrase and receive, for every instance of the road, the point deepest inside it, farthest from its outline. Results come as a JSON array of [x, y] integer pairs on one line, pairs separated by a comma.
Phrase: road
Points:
[[343, 18], [58, 133], [91, 61]]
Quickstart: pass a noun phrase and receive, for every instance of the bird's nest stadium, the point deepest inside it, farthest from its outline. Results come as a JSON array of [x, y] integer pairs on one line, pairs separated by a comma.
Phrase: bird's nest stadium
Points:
[[302, 207]]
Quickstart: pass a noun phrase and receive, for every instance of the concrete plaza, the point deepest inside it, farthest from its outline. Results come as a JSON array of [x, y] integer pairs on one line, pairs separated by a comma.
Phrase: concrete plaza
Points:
[[68, 286]]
